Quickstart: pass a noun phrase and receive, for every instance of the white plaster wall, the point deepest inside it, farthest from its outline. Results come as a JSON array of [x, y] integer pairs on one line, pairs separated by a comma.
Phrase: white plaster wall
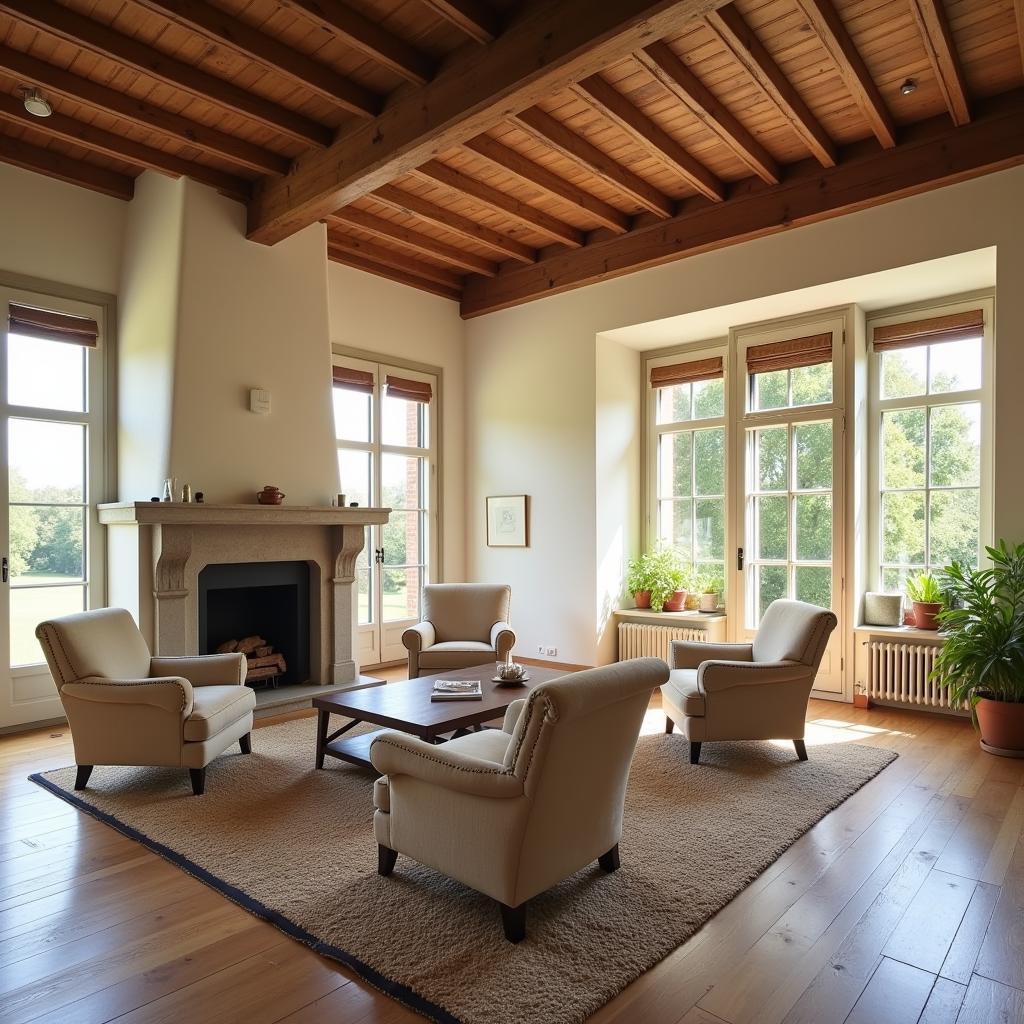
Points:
[[391, 320]]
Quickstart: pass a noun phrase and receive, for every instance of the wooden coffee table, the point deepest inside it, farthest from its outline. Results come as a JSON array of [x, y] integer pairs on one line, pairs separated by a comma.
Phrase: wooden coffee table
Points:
[[407, 707]]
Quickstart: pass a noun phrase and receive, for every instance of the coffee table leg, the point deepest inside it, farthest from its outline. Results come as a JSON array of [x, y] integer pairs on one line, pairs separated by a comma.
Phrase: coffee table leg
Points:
[[322, 722]]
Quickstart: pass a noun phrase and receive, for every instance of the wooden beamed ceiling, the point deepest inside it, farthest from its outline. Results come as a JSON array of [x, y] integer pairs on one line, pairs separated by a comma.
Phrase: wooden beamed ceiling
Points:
[[496, 151]]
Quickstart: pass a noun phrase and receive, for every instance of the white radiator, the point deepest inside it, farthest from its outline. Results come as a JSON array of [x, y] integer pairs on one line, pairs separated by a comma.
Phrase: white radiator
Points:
[[639, 640], [899, 671]]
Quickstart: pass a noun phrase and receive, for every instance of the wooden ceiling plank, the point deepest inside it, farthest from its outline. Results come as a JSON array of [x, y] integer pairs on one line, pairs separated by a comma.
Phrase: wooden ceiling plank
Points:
[[400, 261], [121, 148], [340, 255], [442, 174], [595, 90], [830, 30], [574, 147], [54, 80], [417, 206], [476, 19], [540, 177], [931, 155], [743, 43], [368, 37], [548, 48], [433, 247], [65, 168], [938, 42], [660, 60], [229, 31], [64, 23]]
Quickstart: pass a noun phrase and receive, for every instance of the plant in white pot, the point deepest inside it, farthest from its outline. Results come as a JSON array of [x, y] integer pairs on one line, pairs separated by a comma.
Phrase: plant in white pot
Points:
[[711, 593], [982, 657]]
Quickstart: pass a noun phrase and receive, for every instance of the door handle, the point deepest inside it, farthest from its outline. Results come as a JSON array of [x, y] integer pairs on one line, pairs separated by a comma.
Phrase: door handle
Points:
[[739, 559], [6, 570], [378, 555]]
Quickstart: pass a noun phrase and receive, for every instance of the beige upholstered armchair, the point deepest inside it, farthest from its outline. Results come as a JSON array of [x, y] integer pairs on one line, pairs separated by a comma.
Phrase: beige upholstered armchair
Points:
[[512, 812], [463, 624], [125, 707], [755, 691]]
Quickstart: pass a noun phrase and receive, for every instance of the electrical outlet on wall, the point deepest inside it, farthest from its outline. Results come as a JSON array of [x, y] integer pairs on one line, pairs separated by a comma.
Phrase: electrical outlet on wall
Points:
[[551, 652]]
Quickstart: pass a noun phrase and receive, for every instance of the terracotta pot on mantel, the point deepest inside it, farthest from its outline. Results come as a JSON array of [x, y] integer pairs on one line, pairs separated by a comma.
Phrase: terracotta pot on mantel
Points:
[[270, 495]]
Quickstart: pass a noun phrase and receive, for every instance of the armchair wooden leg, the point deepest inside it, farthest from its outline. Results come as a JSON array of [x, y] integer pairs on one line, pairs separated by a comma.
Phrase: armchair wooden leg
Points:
[[245, 743], [669, 726], [801, 749], [513, 920], [386, 858], [198, 777], [694, 753], [610, 861], [82, 777]]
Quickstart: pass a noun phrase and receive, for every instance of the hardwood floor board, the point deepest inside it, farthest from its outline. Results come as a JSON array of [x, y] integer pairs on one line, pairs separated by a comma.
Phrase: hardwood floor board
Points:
[[897, 994], [1002, 952], [969, 850], [28, 894], [354, 1003], [77, 821], [21, 873], [988, 1002], [994, 871], [81, 830], [944, 1002], [698, 1016], [963, 953]]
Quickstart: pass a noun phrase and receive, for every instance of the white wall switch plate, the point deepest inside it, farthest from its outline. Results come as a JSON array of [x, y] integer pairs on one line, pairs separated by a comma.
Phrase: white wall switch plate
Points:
[[259, 401]]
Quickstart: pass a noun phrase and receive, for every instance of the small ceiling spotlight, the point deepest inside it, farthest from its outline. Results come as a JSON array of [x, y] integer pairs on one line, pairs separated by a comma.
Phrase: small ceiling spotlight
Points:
[[909, 86], [35, 103]]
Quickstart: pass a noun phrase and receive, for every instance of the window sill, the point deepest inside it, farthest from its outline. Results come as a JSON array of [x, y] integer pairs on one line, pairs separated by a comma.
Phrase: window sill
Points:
[[903, 631], [646, 615]]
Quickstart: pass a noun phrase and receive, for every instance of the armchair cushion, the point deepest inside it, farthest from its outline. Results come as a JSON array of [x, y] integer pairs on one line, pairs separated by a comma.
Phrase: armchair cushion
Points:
[[204, 670], [465, 611], [449, 646], [512, 713], [171, 693], [684, 692], [488, 745], [214, 708]]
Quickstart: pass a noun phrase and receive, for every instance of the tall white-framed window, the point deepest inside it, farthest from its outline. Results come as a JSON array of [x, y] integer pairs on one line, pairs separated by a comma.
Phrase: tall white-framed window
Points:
[[52, 440], [687, 457], [930, 436], [385, 427]]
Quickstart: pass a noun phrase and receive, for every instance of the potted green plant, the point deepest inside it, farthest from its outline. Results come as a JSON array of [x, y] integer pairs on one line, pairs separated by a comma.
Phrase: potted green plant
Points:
[[711, 593], [655, 578], [638, 579], [982, 656], [926, 596]]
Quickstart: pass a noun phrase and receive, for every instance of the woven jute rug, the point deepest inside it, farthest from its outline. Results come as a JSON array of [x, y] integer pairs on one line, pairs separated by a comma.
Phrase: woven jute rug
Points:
[[295, 846]]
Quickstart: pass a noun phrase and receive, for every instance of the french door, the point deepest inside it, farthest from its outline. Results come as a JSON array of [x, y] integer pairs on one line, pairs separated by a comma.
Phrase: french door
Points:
[[791, 451], [52, 445], [384, 424]]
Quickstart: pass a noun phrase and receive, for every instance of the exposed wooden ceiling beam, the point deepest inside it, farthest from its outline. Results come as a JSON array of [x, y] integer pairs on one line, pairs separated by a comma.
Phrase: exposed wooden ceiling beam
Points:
[[417, 206], [540, 177], [548, 48], [344, 256], [595, 90], [476, 19], [368, 37], [236, 35], [122, 148], [57, 81], [389, 258], [743, 43], [932, 154], [75, 28], [829, 28], [938, 42], [660, 60], [415, 240], [65, 168], [533, 218]]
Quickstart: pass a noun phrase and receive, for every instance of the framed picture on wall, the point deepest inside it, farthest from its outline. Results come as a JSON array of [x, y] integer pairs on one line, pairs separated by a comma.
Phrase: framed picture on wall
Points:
[[506, 521]]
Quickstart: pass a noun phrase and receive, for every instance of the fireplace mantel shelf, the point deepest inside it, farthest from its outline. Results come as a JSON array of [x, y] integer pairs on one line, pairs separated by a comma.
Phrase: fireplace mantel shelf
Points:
[[175, 513]]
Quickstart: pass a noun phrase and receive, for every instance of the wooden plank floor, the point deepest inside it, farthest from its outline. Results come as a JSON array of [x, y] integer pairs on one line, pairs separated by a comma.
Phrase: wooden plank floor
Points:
[[906, 904]]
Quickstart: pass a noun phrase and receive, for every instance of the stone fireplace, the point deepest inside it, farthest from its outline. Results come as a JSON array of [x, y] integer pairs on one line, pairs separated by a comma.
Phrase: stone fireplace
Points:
[[157, 553]]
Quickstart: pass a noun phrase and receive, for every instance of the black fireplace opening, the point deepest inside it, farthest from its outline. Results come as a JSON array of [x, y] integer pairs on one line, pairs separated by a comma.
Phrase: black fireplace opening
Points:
[[265, 599]]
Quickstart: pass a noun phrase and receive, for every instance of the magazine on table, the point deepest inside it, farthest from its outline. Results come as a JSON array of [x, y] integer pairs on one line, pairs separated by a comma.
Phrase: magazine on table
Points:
[[457, 689]]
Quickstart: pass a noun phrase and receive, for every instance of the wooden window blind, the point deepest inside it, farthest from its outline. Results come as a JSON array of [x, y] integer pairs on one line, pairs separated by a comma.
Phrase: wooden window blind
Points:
[[790, 355], [687, 373], [50, 326], [952, 327], [410, 390], [353, 380]]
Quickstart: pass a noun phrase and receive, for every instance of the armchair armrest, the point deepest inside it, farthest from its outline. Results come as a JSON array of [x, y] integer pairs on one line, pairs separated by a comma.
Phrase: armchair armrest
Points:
[[512, 713], [503, 637], [203, 670], [419, 637], [692, 654], [395, 754], [170, 693], [715, 676]]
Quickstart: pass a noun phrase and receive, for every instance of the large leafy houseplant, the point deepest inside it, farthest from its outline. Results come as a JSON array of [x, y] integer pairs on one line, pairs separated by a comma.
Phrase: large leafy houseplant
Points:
[[657, 573], [982, 657]]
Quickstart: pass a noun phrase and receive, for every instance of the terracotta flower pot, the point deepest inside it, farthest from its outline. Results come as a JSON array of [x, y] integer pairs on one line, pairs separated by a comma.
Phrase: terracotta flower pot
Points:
[[642, 599], [676, 602], [1002, 727], [924, 614]]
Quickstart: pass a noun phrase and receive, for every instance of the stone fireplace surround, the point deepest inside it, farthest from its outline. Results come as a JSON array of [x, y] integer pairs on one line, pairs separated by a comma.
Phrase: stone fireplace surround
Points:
[[156, 550]]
